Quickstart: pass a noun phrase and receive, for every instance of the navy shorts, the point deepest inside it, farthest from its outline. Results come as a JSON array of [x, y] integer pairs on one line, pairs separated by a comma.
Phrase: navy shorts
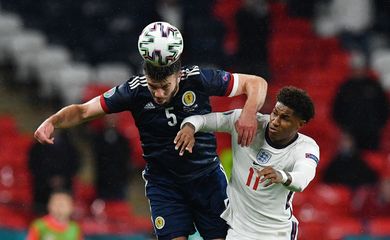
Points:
[[176, 207]]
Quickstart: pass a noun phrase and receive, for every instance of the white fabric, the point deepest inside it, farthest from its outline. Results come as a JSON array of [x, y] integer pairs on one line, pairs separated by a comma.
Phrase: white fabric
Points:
[[236, 79], [284, 176], [255, 210], [234, 235]]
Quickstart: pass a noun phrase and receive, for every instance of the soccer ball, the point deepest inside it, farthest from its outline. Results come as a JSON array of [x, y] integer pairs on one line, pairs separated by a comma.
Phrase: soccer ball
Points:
[[160, 43]]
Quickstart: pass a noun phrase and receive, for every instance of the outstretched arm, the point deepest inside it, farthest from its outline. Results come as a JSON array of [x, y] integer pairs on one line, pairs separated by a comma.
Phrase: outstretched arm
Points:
[[255, 88], [67, 117], [217, 121]]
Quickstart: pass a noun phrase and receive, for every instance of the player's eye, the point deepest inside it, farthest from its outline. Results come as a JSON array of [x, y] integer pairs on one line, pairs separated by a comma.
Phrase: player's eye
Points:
[[165, 87]]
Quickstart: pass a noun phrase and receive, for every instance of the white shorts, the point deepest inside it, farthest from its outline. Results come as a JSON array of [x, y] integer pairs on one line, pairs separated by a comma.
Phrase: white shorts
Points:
[[288, 235]]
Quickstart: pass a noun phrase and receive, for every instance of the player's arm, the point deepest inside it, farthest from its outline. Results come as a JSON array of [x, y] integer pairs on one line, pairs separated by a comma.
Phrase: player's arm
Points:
[[212, 122], [301, 175], [67, 117], [296, 180], [255, 88]]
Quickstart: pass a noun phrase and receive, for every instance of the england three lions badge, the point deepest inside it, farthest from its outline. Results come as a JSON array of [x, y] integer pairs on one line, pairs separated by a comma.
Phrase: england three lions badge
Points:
[[263, 157]]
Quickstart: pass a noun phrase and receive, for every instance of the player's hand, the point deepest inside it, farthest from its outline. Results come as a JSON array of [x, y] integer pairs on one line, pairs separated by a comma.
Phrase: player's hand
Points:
[[185, 139], [45, 133], [270, 174], [246, 127]]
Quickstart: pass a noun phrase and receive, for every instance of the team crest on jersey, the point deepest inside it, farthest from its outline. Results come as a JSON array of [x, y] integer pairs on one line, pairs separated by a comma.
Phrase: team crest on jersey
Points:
[[159, 222], [263, 156], [188, 98], [109, 93]]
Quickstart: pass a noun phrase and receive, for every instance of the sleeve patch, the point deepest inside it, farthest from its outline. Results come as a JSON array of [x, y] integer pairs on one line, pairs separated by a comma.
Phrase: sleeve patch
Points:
[[312, 156], [109, 93]]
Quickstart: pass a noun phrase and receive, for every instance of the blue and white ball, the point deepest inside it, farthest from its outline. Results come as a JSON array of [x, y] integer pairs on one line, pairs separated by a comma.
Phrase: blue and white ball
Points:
[[160, 43]]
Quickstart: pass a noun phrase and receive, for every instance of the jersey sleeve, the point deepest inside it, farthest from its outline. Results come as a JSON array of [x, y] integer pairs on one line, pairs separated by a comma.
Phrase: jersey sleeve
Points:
[[118, 98], [219, 82], [214, 122], [307, 157]]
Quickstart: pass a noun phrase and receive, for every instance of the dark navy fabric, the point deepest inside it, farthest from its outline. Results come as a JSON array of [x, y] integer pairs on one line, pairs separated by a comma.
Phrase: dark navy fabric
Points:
[[199, 202], [157, 125]]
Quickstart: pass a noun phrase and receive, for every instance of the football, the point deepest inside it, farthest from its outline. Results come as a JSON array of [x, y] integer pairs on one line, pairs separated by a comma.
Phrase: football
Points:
[[160, 43]]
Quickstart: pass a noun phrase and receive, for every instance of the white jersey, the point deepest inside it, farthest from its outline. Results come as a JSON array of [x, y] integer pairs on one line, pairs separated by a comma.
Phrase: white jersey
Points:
[[254, 210]]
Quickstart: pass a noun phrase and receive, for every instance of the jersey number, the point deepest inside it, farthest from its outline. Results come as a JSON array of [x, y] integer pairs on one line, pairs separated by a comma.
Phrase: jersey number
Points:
[[171, 116], [252, 176]]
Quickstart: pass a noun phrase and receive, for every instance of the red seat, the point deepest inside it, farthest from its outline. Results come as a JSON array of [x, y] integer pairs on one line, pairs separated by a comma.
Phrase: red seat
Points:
[[339, 228], [333, 198], [84, 192], [378, 160], [118, 209], [13, 218], [117, 217], [379, 227], [8, 126], [91, 226], [311, 230], [321, 203]]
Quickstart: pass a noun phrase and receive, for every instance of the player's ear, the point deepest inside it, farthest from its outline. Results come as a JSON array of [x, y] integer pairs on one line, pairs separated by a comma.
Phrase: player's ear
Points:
[[302, 123]]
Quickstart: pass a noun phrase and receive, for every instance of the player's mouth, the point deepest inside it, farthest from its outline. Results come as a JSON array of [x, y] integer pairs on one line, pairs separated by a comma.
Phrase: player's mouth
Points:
[[272, 129], [160, 101]]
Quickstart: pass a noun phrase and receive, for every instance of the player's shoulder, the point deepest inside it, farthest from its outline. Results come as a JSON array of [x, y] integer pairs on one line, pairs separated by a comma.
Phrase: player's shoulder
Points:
[[189, 72], [304, 139], [262, 117]]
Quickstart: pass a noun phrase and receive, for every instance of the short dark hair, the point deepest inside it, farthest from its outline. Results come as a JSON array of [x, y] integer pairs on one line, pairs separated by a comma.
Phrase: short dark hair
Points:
[[61, 191], [160, 73], [298, 100]]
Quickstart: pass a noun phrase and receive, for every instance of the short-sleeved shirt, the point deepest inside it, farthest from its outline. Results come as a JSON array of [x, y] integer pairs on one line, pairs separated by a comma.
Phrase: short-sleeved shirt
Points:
[[159, 124]]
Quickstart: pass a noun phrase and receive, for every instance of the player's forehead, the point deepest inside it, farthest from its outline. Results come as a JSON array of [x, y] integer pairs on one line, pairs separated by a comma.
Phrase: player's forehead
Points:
[[280, 108], [161, 83]]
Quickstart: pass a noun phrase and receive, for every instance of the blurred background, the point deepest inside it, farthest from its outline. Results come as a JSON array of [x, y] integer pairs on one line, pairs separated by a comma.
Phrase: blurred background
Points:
[[53, 53]]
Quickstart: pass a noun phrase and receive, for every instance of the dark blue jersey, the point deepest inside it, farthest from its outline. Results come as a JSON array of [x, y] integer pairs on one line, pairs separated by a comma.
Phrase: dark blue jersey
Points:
[[159, 124]]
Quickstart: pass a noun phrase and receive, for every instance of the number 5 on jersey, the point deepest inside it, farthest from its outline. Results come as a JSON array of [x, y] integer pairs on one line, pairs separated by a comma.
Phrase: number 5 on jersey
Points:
[[170, 116]]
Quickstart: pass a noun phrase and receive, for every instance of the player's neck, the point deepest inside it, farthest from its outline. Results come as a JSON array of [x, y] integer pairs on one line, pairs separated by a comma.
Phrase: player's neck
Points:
[[279, 144]]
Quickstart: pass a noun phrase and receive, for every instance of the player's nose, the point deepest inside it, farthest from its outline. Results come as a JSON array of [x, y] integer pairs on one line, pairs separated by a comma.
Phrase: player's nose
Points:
[[275, 121], [159, 93]]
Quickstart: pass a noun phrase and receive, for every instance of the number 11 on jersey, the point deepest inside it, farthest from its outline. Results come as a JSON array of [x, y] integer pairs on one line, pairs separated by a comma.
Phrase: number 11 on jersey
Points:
[[253, 178]]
